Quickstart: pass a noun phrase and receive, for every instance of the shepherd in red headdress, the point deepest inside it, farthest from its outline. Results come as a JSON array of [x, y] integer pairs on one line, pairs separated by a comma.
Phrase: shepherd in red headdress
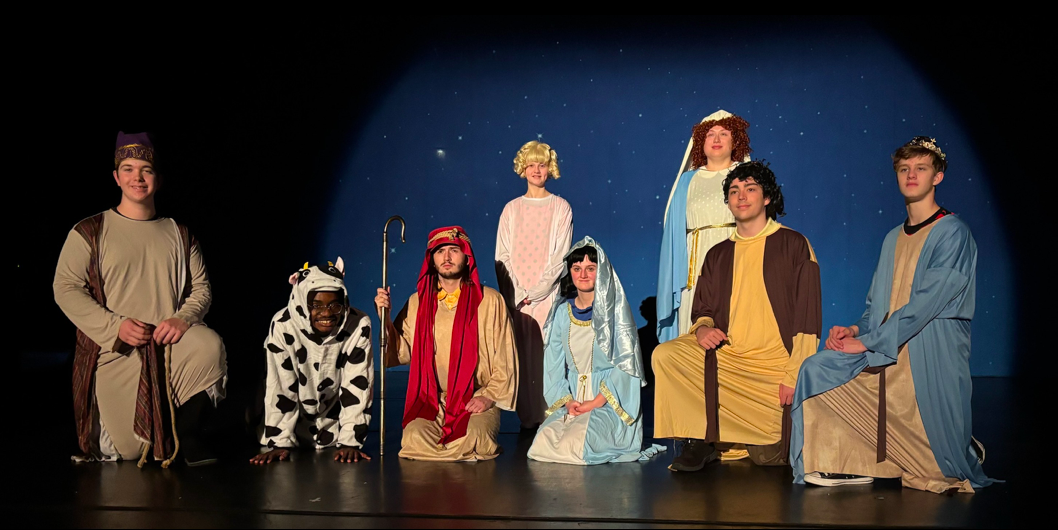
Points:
[[457, 338]]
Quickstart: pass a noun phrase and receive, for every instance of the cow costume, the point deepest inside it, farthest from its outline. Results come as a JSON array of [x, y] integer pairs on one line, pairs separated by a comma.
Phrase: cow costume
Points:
[[318, 387]]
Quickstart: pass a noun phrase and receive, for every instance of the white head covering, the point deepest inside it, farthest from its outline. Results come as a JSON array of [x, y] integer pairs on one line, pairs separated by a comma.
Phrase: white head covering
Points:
[[616, 332]]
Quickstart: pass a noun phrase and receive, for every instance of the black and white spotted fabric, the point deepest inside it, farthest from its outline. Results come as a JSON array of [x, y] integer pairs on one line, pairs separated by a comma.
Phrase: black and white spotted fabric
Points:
[[318, 389]]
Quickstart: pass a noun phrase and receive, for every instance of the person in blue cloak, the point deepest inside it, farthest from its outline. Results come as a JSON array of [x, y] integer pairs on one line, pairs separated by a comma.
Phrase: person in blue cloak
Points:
[[890, 396], [696, 216], [593, 368]]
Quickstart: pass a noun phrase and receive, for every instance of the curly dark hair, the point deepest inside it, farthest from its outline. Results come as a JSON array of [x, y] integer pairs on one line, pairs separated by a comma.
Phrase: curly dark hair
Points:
[[739, 139], [762, 174], [566, 287]]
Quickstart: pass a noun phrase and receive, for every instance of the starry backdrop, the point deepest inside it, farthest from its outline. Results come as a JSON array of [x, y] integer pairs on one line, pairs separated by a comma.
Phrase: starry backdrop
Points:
[[279, 145], [826, 110]]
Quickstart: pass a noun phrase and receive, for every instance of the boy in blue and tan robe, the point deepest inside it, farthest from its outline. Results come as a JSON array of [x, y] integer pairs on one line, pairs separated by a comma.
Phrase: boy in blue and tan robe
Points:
[[890, 397]]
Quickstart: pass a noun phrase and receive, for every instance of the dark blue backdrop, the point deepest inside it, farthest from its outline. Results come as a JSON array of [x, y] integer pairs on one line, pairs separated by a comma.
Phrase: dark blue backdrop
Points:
[[825, 109]]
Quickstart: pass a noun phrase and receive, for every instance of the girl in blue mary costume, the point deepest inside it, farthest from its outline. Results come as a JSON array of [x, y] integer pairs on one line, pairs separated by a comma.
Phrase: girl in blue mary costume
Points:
[[593, 368]]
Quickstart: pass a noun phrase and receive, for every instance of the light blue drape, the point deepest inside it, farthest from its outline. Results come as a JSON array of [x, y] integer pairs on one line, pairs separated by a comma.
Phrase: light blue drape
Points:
[[672, 266]]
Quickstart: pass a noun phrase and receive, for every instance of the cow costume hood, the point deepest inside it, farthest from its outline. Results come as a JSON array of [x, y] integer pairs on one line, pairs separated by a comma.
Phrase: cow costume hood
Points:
[[322, 278], [318, 388]]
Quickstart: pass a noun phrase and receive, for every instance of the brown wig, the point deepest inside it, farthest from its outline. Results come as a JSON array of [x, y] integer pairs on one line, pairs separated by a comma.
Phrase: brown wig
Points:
[[763, 176], [739, 139]]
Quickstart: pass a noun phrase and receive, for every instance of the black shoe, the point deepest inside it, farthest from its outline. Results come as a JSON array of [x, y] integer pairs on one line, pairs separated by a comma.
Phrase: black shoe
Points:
[[190, 423], [196, 453], [979, 449], [836, 479], [694, 456]]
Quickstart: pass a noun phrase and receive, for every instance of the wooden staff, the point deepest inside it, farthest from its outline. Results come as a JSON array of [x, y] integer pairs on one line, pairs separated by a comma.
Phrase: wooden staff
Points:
[[383, 317]]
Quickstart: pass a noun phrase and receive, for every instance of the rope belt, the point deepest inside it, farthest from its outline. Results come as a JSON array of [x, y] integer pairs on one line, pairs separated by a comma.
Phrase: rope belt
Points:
[[694, 250], [150, 350]]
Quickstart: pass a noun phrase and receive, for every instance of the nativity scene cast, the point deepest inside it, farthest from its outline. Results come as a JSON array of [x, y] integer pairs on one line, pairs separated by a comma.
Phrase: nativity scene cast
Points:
[[745, 367]]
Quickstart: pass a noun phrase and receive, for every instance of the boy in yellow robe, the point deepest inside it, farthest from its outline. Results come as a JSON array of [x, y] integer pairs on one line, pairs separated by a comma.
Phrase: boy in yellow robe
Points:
[[756, 316]]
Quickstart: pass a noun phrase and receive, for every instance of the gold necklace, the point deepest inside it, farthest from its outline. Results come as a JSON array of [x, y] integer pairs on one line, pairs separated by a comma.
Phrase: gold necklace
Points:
[[573, 319], [569, 342]]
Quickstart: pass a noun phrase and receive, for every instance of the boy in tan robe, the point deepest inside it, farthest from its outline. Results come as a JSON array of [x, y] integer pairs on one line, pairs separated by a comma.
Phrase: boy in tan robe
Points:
[[890, 395], [457, 338], [136, 287]]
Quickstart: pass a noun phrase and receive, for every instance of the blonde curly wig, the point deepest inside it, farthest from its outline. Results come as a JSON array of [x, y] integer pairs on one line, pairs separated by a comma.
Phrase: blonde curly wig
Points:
[[536, 153]]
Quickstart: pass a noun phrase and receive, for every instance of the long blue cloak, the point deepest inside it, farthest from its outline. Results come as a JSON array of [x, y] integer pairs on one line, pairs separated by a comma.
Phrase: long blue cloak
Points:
[[672, 267]]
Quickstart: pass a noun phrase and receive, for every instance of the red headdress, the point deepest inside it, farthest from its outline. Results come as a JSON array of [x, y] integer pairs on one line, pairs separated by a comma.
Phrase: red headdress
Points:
[[423, 395]]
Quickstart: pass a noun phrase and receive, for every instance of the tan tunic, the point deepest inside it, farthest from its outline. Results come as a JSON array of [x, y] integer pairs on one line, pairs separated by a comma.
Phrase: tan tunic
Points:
[[144, 274], [841, 425], [496, 378]]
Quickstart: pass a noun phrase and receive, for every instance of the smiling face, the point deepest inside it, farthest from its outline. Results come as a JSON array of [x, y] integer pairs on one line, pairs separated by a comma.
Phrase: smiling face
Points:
[[137, 180], [450, 261], [746, 200], [917, 177], [583, 275], [718, 143], [536, 174], [325, 310]]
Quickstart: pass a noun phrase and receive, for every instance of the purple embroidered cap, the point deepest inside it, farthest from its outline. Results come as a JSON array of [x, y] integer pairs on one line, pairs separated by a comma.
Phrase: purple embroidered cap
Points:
[[136, 145]]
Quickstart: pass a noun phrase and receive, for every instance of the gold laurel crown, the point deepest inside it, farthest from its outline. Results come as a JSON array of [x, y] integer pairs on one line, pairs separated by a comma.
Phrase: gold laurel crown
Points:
[[930, 144]]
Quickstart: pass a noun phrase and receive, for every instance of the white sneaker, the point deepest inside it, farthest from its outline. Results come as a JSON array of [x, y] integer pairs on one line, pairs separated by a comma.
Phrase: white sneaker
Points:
[[836, 479]]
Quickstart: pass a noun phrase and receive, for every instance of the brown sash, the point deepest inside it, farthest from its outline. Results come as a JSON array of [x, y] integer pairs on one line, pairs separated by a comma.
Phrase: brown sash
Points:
[[880, 370], [86, 353], [712, 398]]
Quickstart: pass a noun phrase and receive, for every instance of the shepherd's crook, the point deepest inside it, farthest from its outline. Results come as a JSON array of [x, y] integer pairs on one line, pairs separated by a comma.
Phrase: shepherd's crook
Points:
[[383, 317]]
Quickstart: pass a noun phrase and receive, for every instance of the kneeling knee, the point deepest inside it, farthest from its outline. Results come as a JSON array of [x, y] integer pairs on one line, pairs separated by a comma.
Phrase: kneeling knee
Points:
[[662, 357]]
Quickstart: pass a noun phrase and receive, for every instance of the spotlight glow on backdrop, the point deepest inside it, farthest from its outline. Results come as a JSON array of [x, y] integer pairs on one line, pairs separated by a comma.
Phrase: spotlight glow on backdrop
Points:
[[825, 110]]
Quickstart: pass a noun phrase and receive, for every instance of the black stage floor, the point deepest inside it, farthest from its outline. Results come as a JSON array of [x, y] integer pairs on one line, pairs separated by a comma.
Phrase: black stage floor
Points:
[[47, 490]]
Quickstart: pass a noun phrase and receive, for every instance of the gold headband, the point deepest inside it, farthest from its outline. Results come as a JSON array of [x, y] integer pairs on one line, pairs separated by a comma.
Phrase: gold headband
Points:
[[449, 234], [931, 145], [138, 151]]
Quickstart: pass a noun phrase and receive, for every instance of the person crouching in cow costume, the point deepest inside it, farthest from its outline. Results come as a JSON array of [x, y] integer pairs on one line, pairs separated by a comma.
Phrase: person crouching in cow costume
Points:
[[320, 376]]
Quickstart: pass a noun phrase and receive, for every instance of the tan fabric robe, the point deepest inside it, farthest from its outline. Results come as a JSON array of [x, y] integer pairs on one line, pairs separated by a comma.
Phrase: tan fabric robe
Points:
[[144, 274], [841, 426], [496, 379]]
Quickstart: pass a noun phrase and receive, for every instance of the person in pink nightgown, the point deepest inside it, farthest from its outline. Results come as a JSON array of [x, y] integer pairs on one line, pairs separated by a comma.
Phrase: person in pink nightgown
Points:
[[534, 234]]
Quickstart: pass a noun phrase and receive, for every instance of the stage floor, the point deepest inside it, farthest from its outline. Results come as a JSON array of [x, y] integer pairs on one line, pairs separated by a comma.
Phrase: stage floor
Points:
[[511, 491]]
